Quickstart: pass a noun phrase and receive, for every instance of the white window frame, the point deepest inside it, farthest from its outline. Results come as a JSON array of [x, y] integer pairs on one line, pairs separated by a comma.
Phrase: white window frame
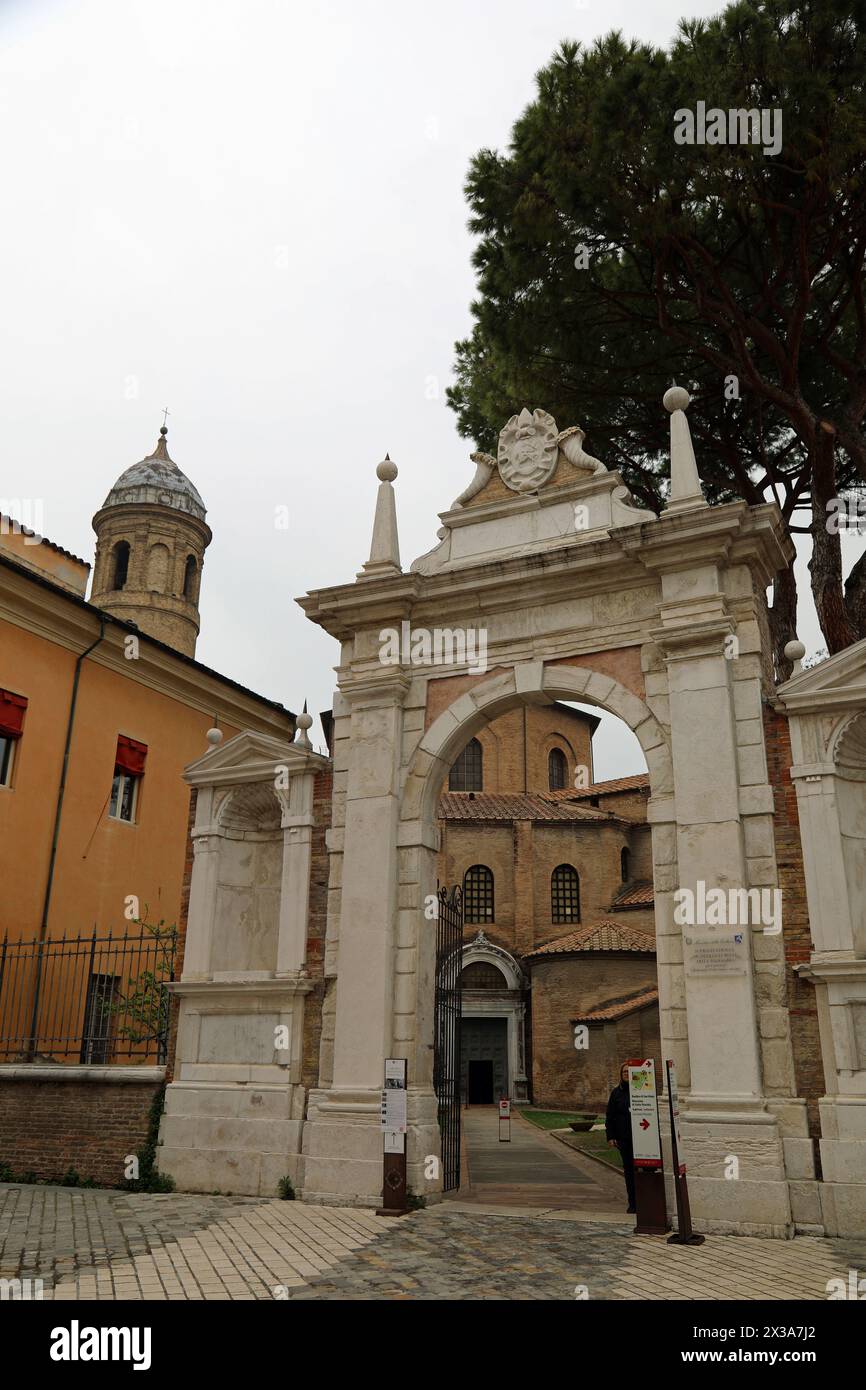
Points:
[[6, 784], [133, 809]]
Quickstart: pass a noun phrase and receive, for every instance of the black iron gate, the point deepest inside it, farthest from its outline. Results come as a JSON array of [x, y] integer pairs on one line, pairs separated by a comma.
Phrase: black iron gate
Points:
[[446, 1054]]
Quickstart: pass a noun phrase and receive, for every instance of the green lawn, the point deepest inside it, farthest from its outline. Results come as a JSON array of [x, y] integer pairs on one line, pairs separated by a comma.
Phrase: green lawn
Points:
[[553, 1119], [595, 1145]]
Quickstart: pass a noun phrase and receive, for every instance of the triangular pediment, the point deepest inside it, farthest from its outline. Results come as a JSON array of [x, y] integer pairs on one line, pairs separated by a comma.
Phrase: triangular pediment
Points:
[[837, 683], [251, 757]]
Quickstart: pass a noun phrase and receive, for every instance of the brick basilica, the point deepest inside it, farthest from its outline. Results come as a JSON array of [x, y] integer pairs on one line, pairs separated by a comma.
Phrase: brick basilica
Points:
[[558, 912]]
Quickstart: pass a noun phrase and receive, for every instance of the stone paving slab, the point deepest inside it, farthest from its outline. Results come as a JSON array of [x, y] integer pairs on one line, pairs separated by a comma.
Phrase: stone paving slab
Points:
[[93, 1245], [442, 1254]]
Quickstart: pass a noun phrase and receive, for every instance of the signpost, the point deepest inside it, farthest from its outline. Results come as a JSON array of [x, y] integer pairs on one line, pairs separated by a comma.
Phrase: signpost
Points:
[[505, 1119], [684, 1234], [393, 1123], [649, 1181]]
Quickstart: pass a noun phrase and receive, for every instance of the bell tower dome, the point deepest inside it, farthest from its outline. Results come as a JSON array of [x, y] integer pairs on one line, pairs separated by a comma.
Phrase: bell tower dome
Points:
[[151, 536]]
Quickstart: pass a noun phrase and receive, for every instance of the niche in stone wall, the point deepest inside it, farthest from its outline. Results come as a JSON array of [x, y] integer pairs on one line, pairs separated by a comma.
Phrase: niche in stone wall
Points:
[[246, 921], [851, 804], [157, 568]]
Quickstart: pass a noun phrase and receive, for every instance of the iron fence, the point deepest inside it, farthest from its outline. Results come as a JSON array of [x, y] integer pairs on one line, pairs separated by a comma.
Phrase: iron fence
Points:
[[446, 1054], [93, 1000]]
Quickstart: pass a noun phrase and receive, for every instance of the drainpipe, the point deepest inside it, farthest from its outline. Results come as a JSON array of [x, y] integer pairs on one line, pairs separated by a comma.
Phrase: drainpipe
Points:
[[43, 928]]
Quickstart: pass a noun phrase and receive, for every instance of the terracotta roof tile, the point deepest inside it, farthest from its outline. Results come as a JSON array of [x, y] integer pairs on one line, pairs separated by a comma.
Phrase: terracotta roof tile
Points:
[[10, 522], [618, 784], [635, 895], [602, 936], [540, 806], [619, 1008]]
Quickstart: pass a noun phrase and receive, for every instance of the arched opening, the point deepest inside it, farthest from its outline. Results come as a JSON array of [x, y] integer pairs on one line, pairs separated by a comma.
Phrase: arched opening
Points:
[[625, 864], [478, 894], [120, 565], [557, 770], [467, 772], [564, 895], [189, 577], [557, 867]]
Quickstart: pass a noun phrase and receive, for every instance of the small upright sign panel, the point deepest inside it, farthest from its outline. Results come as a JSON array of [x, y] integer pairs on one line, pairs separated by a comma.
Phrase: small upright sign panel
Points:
[[505, 1120], [394, 1124], [645, 1134]]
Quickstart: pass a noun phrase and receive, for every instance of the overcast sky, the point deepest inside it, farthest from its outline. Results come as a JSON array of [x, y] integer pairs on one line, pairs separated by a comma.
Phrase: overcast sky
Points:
[[251, 211]]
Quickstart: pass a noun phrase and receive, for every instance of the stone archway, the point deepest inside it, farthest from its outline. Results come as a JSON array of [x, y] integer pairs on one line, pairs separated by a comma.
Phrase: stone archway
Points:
[[661, 621]]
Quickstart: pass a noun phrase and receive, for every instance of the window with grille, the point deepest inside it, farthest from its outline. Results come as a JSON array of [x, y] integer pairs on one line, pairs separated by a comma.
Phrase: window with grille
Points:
[[478, 894], [99, 1014], [557, 770], [565, 894], [466, 772], [482, 975]]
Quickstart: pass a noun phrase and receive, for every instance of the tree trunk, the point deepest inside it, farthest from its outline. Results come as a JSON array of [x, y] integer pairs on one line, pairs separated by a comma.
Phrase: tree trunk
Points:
[[825, 566], [783, 621], [855, 596]]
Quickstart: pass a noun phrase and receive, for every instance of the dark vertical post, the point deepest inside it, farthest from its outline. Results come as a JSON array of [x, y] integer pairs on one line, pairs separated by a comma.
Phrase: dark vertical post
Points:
[[684, 1234]]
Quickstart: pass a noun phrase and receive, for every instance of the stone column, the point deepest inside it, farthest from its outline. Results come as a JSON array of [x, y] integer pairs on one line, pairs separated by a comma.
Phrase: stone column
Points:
[[297, 824], [343, 1141], [203, 889], [736, 1162]]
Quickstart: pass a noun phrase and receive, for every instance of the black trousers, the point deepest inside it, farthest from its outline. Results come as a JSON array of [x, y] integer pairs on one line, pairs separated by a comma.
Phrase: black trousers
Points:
[[627, 1155]]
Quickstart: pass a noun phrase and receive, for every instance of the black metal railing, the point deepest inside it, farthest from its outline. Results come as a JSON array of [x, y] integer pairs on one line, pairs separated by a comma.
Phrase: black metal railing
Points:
[[446, 1053], [93, 1000]]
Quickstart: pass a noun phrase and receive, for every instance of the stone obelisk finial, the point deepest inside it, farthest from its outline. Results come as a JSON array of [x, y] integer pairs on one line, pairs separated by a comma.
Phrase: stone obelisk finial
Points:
[[385, 546], [686, 491]]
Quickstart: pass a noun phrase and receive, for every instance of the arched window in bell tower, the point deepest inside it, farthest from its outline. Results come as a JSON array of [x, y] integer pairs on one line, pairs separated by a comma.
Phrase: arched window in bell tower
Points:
[[120, 565], [189, 577], [557, 770]]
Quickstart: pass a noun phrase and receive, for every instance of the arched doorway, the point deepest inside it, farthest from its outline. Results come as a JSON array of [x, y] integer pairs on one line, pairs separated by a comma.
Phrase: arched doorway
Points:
[[493, 1008]]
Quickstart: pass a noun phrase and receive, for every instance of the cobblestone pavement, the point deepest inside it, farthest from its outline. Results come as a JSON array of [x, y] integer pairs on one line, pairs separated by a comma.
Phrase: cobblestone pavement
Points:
[[113, 1245]]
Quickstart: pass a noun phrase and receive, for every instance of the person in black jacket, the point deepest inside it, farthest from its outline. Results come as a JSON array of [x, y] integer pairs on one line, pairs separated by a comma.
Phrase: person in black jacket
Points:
[[617, 1126]]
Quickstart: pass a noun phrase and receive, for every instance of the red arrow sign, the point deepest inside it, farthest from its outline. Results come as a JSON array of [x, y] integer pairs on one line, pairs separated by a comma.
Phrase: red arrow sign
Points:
[[644, 1124]]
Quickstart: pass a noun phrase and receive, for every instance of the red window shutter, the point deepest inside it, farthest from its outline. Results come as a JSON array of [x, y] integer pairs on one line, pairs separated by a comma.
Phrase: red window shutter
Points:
[[12, 709], [130, 756]]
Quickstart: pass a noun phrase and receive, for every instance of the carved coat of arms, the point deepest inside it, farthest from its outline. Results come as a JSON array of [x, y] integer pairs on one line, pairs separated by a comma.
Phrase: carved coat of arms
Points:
[[527, 450]]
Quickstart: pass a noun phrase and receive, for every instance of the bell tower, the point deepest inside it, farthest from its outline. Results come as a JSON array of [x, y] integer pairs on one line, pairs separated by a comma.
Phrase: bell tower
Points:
[[151, 536]]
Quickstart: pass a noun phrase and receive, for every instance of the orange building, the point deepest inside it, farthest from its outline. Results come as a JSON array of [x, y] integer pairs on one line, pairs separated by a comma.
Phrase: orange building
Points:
[[98, 718]]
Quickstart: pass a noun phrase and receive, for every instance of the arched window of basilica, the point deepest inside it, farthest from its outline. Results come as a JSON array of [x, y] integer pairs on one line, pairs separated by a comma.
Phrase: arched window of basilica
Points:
[[557, 770], [564, 895], [466, 773], [478, 894]]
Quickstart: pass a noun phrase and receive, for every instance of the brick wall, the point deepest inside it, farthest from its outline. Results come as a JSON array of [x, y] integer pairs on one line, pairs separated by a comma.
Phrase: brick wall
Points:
[[562, 1075], [802, 1003], [48, 1126], [522, 856], [316, 924]]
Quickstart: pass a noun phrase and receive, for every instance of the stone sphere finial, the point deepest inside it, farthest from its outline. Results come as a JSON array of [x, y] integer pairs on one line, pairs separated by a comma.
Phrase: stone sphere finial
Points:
[[304, 721], [795, 650], [214, 737], [386, 472], [676, 398]]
